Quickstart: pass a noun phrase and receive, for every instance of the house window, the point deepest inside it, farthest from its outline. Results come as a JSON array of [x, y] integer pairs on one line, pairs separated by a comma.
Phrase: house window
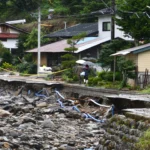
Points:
[[106, 26], [5, 29]]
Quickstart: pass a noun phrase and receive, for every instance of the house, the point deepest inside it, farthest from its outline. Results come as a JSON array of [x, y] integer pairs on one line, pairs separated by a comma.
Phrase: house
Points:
[[51, 53], [91, 29], [101, 30], [140, 56], [104, 25], [9, 35]]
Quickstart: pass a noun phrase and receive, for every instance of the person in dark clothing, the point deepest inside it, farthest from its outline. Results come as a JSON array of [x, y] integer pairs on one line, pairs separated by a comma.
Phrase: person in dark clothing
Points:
[[86, 70]]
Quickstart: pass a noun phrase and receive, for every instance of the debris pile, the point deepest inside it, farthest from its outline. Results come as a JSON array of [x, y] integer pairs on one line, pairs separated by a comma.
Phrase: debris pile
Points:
[[47, 120]]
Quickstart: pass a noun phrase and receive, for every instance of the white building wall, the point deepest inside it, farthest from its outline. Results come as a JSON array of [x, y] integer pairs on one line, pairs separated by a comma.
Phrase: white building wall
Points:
[[10, 43], [13, 31], [105, 34]]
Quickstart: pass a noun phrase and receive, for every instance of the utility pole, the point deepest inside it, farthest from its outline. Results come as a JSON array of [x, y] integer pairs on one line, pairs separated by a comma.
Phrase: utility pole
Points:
[[113, 33], [39, 41], [112, 20]]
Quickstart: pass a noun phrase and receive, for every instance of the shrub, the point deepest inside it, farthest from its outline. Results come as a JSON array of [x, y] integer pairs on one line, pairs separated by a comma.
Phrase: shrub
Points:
[[6, 57], [93, 81], [8, 66], [108, 76], [144, 141], [28, 68]]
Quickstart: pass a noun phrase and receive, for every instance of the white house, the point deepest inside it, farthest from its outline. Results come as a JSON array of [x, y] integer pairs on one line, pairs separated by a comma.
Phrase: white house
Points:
[[9, 35], [104, 25]]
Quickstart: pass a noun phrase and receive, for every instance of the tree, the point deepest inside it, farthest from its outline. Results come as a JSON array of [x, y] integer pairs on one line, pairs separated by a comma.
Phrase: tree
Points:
[[31, 40], [109, 48], [79, 8], [133, 19], [127, 67], [21, 39], [73, 41], [69, 58]]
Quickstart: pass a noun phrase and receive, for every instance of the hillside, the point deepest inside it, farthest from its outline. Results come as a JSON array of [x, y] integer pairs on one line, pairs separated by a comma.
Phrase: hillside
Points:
[[48, 25]]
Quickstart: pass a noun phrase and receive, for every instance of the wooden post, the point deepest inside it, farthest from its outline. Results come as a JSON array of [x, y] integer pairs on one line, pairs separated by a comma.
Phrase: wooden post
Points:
[[114, 73]]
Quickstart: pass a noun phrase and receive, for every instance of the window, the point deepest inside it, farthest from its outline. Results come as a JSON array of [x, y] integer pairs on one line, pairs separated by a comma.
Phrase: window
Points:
[[5, 29], [106, 26]]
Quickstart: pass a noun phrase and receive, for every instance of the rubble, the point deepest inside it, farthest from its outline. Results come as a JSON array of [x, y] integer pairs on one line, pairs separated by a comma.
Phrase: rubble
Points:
[[50, 121]]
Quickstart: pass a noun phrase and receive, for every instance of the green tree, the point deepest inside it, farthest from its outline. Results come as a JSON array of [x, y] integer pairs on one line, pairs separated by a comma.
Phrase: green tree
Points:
[[133, 19], [79, 8], [21, 39], [32, 40], [2, 49], [127, 67], [73, 41], [109, 48]]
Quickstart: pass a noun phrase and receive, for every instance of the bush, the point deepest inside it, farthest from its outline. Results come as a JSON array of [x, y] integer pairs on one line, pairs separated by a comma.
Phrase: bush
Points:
[[8, 66], [6, 57], [28, 68], [144, 142], [93, 81], [108, 76]]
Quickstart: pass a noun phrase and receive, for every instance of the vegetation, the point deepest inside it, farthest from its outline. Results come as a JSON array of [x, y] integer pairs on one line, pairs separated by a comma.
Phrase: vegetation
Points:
[[109, 48], [104, 79], [144, 142], [127, 68], [133, 18], [69, 59]]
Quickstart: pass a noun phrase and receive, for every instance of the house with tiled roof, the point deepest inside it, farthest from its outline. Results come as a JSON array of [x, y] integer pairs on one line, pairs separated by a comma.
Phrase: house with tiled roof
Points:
[[140, 56], [96, 34], [91, 29], [9, 35]]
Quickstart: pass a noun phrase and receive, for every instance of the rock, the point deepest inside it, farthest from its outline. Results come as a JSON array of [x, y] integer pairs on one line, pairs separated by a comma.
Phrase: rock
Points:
[[43, 104], [28, 119], [73, 114], [48, 124], [71, 143], [4, 113]]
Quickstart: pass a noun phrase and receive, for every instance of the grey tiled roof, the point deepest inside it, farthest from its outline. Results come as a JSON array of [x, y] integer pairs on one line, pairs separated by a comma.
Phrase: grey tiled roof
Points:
[[91, 29], [105, 11]]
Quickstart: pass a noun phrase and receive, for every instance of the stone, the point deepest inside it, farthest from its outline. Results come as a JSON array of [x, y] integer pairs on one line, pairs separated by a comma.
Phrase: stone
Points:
[[48, 124], [4, 113], [43, 104], [28, 119]]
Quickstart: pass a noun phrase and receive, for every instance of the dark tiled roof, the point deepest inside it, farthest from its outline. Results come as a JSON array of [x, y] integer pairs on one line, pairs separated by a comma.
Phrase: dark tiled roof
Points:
[[105, 11], [13, 27], [91, 29]]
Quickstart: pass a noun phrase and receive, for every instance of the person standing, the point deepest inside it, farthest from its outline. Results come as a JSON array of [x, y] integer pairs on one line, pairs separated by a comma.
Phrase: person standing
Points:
[[86, 70]]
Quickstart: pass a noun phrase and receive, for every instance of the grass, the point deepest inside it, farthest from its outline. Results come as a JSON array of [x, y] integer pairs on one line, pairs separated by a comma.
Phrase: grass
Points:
[[144, 142]]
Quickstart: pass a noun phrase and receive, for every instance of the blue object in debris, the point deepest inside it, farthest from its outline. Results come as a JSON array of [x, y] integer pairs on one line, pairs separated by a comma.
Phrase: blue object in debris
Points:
[[40, 95], [61, 104], [95, 118], [85, 116], [76, 108], [29, 92], [112, 109]]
